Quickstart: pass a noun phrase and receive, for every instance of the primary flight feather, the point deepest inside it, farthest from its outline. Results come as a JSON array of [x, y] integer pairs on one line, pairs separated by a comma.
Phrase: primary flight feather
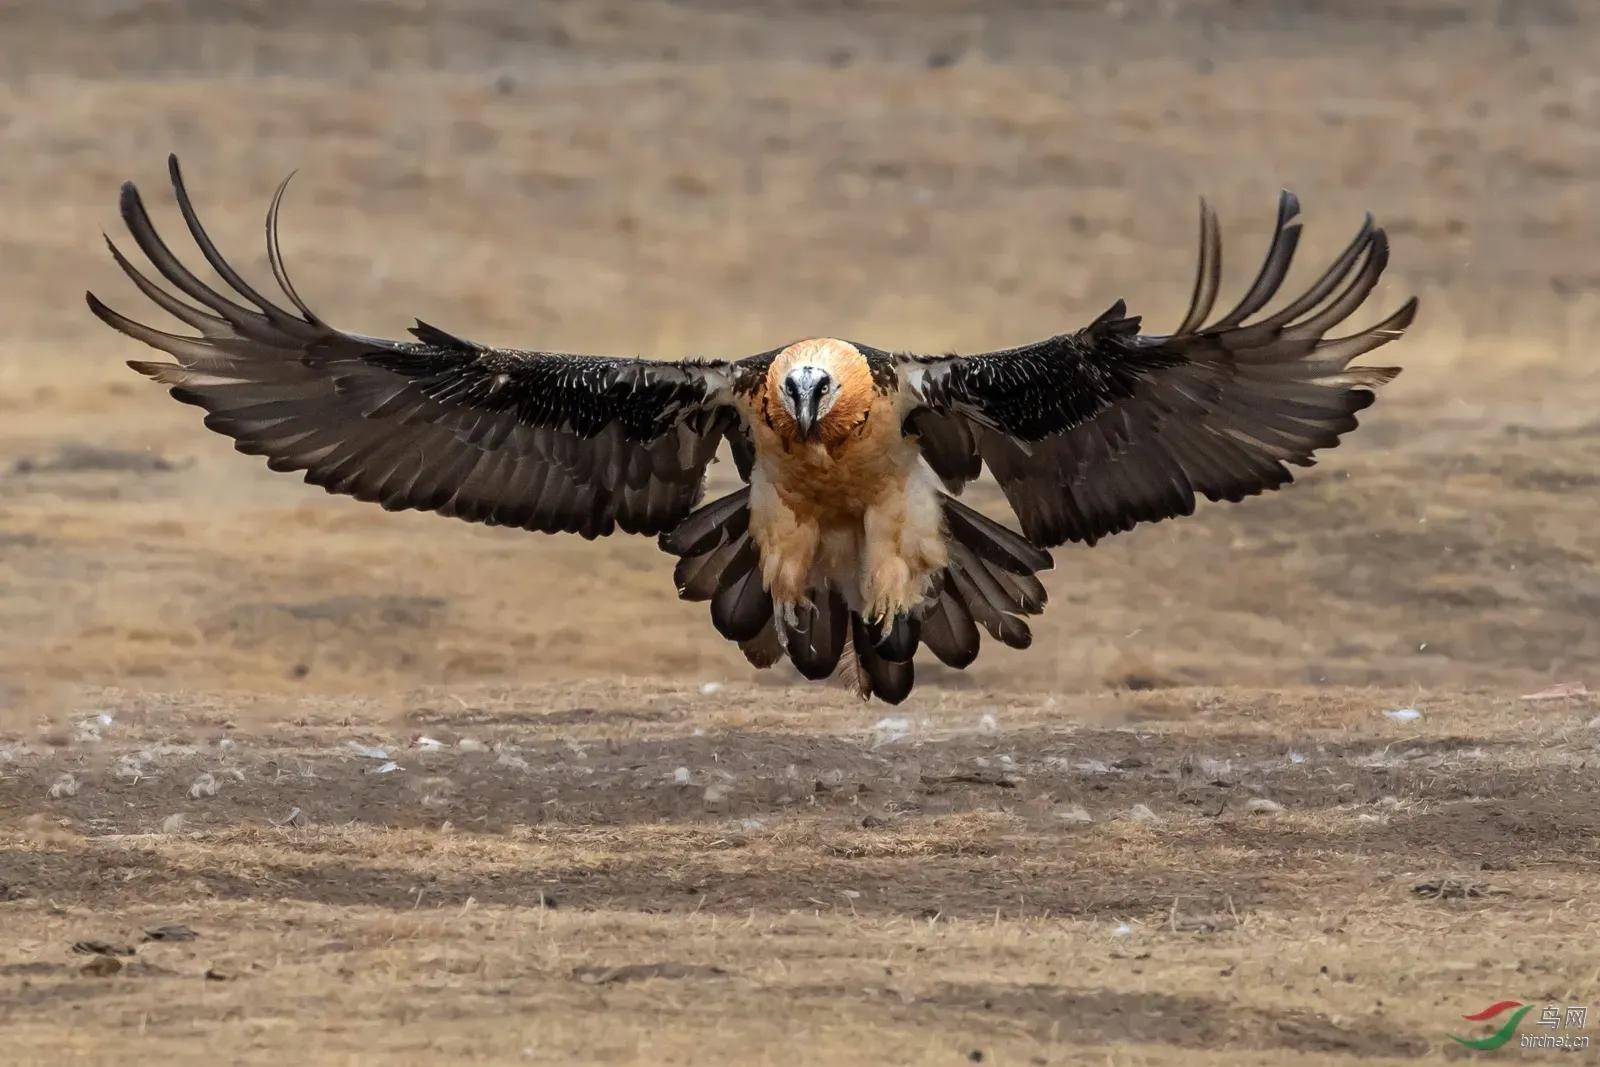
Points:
[[847, 545]]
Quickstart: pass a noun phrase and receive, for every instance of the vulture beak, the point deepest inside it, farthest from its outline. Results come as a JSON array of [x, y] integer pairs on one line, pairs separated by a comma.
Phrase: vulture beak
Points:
[[807, 390]]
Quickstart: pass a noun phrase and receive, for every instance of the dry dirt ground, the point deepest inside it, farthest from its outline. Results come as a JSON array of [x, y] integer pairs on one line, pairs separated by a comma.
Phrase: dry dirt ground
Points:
[[1180, 828]]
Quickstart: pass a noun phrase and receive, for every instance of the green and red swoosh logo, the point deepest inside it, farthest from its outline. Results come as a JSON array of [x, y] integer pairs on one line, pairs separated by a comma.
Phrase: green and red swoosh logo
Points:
[[1500, 1036]]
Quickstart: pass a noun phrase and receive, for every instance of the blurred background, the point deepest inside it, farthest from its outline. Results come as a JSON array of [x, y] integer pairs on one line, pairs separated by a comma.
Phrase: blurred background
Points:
[[702, 178]]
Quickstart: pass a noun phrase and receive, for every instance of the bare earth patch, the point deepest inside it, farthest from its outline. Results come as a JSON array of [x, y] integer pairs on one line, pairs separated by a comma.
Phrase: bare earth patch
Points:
[[1246, 876]]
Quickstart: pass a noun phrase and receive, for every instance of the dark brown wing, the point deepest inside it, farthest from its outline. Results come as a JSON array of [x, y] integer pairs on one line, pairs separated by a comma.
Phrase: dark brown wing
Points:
[[539, 440], [1092, 432]]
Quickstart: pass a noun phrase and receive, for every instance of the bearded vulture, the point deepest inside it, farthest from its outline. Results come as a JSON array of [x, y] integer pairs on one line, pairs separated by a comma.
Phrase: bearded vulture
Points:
[[847, 546]]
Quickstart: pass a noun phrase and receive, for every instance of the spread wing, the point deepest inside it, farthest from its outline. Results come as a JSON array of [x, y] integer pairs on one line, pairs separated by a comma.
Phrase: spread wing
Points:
[[539, 440], [1090, 433]]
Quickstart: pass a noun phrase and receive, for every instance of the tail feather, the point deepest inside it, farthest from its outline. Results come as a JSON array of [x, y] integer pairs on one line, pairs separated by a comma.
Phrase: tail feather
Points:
[[990, 582], [991, 616], [816, 639], [886, 679], [720, 563], [741, 606], [699, 577], [850, 671], [1027, 591], [1006, 591], [995, 542], [764, 649], [898, 643], [949, 632], [708, 525]]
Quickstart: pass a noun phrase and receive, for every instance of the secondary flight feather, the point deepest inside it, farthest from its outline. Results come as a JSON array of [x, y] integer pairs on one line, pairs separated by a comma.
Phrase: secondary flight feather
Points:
[[847, 548]]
